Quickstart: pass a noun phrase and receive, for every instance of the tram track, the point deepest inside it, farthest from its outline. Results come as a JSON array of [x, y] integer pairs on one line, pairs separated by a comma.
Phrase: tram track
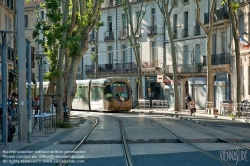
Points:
[[65, 161], [126, 151], [190, 144], [213, 135]]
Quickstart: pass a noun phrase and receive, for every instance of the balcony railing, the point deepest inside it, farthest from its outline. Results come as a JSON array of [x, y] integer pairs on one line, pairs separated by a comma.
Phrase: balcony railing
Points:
[[185, 68], [108, 35], [220, 14], [122, 34], [218, 59], [115, 67], [152, 30], [151, 64], [185, 32], [197, 31]]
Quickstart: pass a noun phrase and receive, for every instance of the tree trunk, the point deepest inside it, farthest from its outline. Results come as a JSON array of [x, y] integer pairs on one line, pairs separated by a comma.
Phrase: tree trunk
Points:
[[175, 79], [233, 20], [71, 83], [60, 80]]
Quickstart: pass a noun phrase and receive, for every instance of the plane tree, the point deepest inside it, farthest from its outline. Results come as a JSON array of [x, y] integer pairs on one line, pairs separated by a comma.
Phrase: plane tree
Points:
[[166, 8]]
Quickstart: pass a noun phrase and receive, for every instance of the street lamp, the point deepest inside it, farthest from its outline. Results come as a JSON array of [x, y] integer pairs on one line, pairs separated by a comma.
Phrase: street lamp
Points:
[[40, 63]]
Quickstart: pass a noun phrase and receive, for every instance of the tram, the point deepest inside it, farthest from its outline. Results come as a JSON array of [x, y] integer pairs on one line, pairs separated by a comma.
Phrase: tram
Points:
[[109, 94]]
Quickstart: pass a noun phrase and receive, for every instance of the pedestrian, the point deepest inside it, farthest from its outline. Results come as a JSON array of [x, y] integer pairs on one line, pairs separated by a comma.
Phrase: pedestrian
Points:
[[10, 106], [188, 101], [37, 104]]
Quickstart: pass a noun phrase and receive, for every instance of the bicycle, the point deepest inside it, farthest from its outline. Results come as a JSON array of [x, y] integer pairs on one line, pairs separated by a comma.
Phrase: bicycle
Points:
[[48, 126]]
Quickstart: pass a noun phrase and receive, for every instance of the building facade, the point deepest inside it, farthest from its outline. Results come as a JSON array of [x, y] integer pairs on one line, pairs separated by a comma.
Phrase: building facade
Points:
[[7, 23], [190, 44], [117, 58]]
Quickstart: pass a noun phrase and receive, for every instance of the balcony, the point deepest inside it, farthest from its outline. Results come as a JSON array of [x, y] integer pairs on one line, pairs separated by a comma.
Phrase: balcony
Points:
[[175, 33], [108, 35], [219, 15], [220, 62], [185, 32], [122, 34], [112, 68], [185, 68], [197, 31], [92, 37], [151, 66], [152, 30], [221, 59]]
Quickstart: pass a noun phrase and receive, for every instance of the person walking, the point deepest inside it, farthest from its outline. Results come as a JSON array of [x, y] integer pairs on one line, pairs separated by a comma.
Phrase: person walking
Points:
[[188, 101], [10, 105], [37, 104]]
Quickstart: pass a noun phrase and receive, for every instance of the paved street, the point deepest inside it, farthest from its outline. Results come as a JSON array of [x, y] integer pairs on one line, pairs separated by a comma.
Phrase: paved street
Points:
[[149, 144]]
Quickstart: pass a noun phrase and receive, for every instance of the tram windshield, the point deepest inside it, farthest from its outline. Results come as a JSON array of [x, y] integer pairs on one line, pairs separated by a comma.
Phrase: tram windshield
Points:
[[119, 91]]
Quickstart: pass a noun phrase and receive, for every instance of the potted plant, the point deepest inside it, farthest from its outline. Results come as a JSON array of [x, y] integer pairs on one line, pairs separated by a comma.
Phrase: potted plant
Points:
[[199, 67]]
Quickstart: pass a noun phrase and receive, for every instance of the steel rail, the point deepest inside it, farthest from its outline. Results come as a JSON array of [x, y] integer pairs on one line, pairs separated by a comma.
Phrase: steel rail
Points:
[[126, 150], [65, 161], [220, 138], [193, 146]]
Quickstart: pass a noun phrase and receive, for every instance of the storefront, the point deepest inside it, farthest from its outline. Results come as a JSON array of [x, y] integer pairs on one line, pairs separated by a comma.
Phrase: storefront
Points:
[[221, 88], [153, 89], [169, 91], [199, 91]]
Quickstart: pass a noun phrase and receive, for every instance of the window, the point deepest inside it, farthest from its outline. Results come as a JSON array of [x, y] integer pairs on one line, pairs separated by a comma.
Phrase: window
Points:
[[241, 24], [197, 54], [110, 54], [153, 52], [42, 15], [186, 58], [111, 3], [153, 19], [124, 54], [185, 24], [175, 25], [110, 23], [124, 24], [223, 42], [26, 20]]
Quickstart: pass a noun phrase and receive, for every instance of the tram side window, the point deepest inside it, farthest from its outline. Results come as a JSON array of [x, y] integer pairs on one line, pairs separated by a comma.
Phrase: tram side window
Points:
[[96, 93], [79, 92], [108, 93], [85, 95]]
